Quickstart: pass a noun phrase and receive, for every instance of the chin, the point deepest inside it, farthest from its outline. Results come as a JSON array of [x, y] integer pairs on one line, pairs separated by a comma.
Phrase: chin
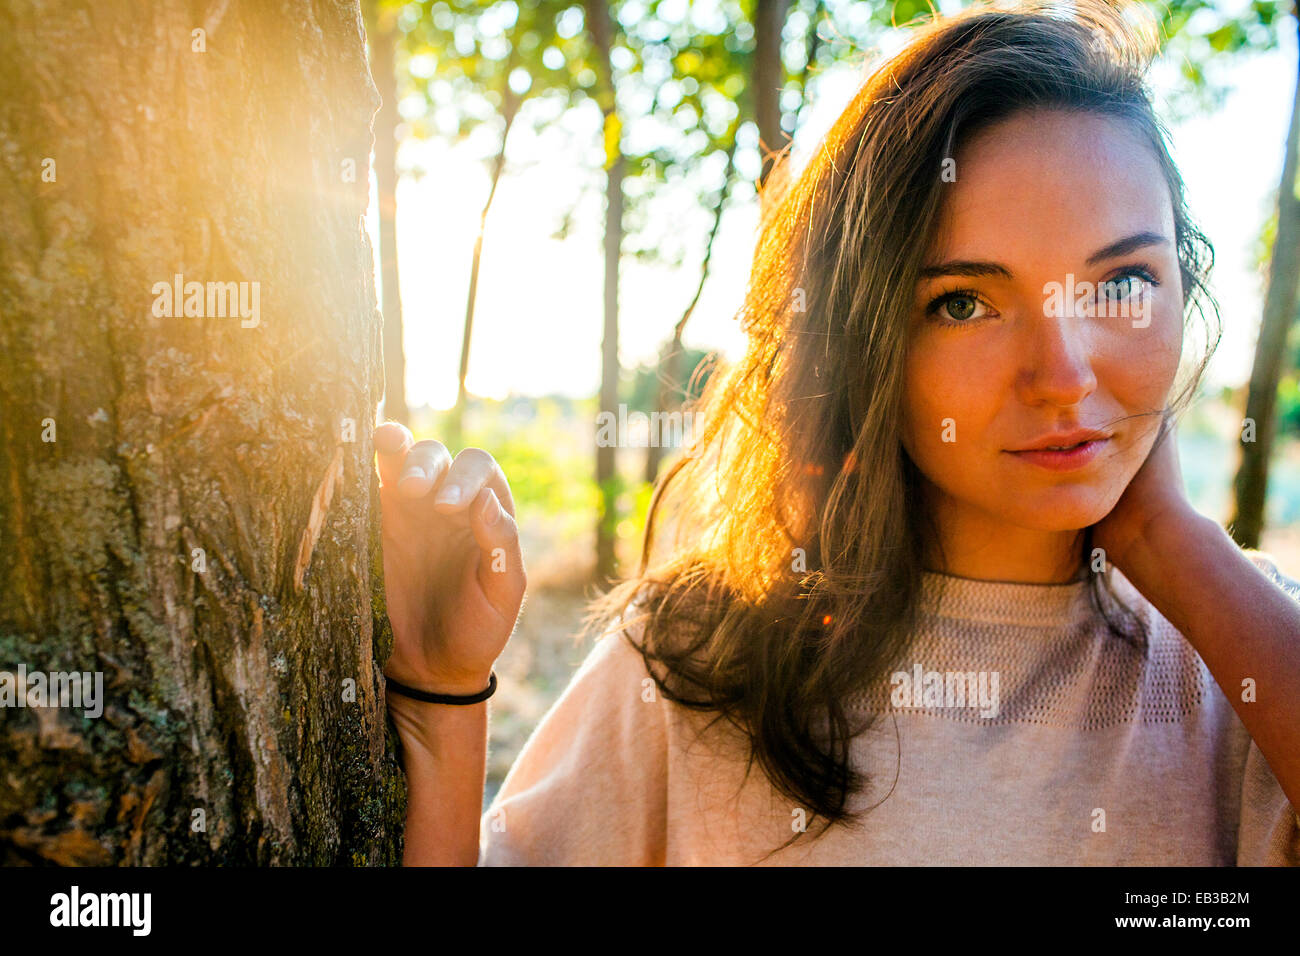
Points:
[[1062, 509]]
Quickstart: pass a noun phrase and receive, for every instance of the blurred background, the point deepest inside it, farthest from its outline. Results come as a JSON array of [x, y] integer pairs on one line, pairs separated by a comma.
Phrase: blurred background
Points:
[[565, 205]]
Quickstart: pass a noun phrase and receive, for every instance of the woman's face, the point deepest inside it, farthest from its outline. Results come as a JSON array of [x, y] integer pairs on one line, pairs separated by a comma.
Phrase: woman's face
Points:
[[1050, 313]]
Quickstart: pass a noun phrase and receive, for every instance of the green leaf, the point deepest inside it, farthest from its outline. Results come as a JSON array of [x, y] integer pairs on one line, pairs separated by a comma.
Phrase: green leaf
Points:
[[1228, 36]]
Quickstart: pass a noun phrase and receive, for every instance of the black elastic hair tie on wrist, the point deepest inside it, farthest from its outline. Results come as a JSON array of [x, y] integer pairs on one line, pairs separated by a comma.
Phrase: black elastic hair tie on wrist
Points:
[[431, 698]]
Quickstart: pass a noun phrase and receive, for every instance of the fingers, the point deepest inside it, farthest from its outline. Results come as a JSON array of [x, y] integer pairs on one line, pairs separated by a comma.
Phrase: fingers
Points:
[[501, 564], [473, 485], [392, 441], [424, 466], [471, 472], [416, 468]]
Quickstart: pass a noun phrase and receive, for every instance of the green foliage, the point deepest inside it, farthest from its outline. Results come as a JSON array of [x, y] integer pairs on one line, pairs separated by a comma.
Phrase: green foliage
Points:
[[1199, 34], [1288, 405], [683, 88], [540, 444], [1288, 389], [467, 62], [681, 72], [901, 12]]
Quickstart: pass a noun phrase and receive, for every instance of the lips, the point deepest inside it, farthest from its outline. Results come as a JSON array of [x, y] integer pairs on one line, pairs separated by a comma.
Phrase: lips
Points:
[[1063, 441], [1063, 451]]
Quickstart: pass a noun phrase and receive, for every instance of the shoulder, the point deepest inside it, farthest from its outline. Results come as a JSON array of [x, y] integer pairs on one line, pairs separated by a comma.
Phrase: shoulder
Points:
[[601, 699], [615, 652]]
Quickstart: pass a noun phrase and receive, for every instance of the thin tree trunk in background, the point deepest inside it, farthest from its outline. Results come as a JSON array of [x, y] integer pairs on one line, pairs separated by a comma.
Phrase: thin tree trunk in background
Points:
[[203, 526], [769, 79], [812, 43], [381, 30], [1251, 485], [456, 422], [601, 30], [670, 362]]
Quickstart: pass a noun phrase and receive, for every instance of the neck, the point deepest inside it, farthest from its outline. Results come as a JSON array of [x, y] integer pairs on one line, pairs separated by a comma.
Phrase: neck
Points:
[[977, 545]]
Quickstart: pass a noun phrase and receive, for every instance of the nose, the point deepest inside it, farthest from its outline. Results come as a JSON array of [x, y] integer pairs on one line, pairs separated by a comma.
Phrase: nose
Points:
[[1056, 367]]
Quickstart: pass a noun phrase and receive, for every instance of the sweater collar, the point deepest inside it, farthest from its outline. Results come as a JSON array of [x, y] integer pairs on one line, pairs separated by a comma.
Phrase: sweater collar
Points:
[[1006, 602]]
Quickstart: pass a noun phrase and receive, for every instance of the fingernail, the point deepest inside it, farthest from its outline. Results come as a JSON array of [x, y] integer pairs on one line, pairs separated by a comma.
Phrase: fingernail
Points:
[[447, 495], [412, 471]]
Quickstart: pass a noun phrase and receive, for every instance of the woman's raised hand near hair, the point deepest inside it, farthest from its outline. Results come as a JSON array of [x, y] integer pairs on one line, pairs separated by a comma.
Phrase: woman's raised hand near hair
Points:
[[1155, 496], [453, 571]]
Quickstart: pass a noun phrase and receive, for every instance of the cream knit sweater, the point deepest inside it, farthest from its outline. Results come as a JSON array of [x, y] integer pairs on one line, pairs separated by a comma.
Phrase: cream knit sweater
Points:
[[1022, 733]]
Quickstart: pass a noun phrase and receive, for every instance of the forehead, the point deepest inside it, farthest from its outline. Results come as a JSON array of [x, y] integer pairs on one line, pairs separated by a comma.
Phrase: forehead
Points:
[[1051, 185]]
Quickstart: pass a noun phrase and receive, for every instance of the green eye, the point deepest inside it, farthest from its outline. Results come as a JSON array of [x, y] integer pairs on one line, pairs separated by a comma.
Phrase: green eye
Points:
[[960, 308]]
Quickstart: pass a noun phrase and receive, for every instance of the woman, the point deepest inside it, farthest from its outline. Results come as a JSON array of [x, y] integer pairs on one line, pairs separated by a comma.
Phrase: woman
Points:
[[931, 565]]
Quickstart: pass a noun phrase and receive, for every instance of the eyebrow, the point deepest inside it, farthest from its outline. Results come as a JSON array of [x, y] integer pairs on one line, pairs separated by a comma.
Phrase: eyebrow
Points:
[[983, 270]]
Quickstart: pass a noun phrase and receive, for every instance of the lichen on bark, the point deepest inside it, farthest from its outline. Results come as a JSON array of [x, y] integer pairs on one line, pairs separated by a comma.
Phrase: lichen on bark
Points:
[[180, 435]]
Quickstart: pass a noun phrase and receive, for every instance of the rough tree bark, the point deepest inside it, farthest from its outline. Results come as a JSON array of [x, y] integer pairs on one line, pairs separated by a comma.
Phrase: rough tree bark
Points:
[[203, 527], [381, 28]]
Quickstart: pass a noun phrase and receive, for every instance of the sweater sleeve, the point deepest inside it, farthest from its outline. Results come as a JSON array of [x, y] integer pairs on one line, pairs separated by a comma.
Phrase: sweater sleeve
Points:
[[1269, 832], [589, 786]]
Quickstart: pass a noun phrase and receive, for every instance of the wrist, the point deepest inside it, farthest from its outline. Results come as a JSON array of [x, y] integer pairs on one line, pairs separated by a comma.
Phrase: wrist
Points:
[[1165, 541], [423, 726], [459, 684]]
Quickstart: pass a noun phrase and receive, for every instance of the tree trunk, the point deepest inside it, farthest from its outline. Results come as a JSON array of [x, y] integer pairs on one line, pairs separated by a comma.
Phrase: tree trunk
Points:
[[601, 29], [456, 421], [812, 43], [1251, 486], [667, 396], [671, 391], [769, 80], [382, 33], [188, 505]]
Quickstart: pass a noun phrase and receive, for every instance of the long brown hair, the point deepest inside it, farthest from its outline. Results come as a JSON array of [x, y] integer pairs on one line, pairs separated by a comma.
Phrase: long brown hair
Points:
[[782, 561]]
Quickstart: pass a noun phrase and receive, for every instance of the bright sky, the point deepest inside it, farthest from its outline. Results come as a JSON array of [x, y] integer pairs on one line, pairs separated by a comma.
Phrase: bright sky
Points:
[[537, 325]]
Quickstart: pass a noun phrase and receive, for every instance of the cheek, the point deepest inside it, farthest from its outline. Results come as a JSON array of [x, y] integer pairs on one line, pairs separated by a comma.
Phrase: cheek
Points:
[[1138, 366], [919, 393], [945, 405]]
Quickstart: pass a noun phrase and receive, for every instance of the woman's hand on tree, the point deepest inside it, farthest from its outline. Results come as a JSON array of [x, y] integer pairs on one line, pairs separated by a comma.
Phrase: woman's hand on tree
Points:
[[453, 570]]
